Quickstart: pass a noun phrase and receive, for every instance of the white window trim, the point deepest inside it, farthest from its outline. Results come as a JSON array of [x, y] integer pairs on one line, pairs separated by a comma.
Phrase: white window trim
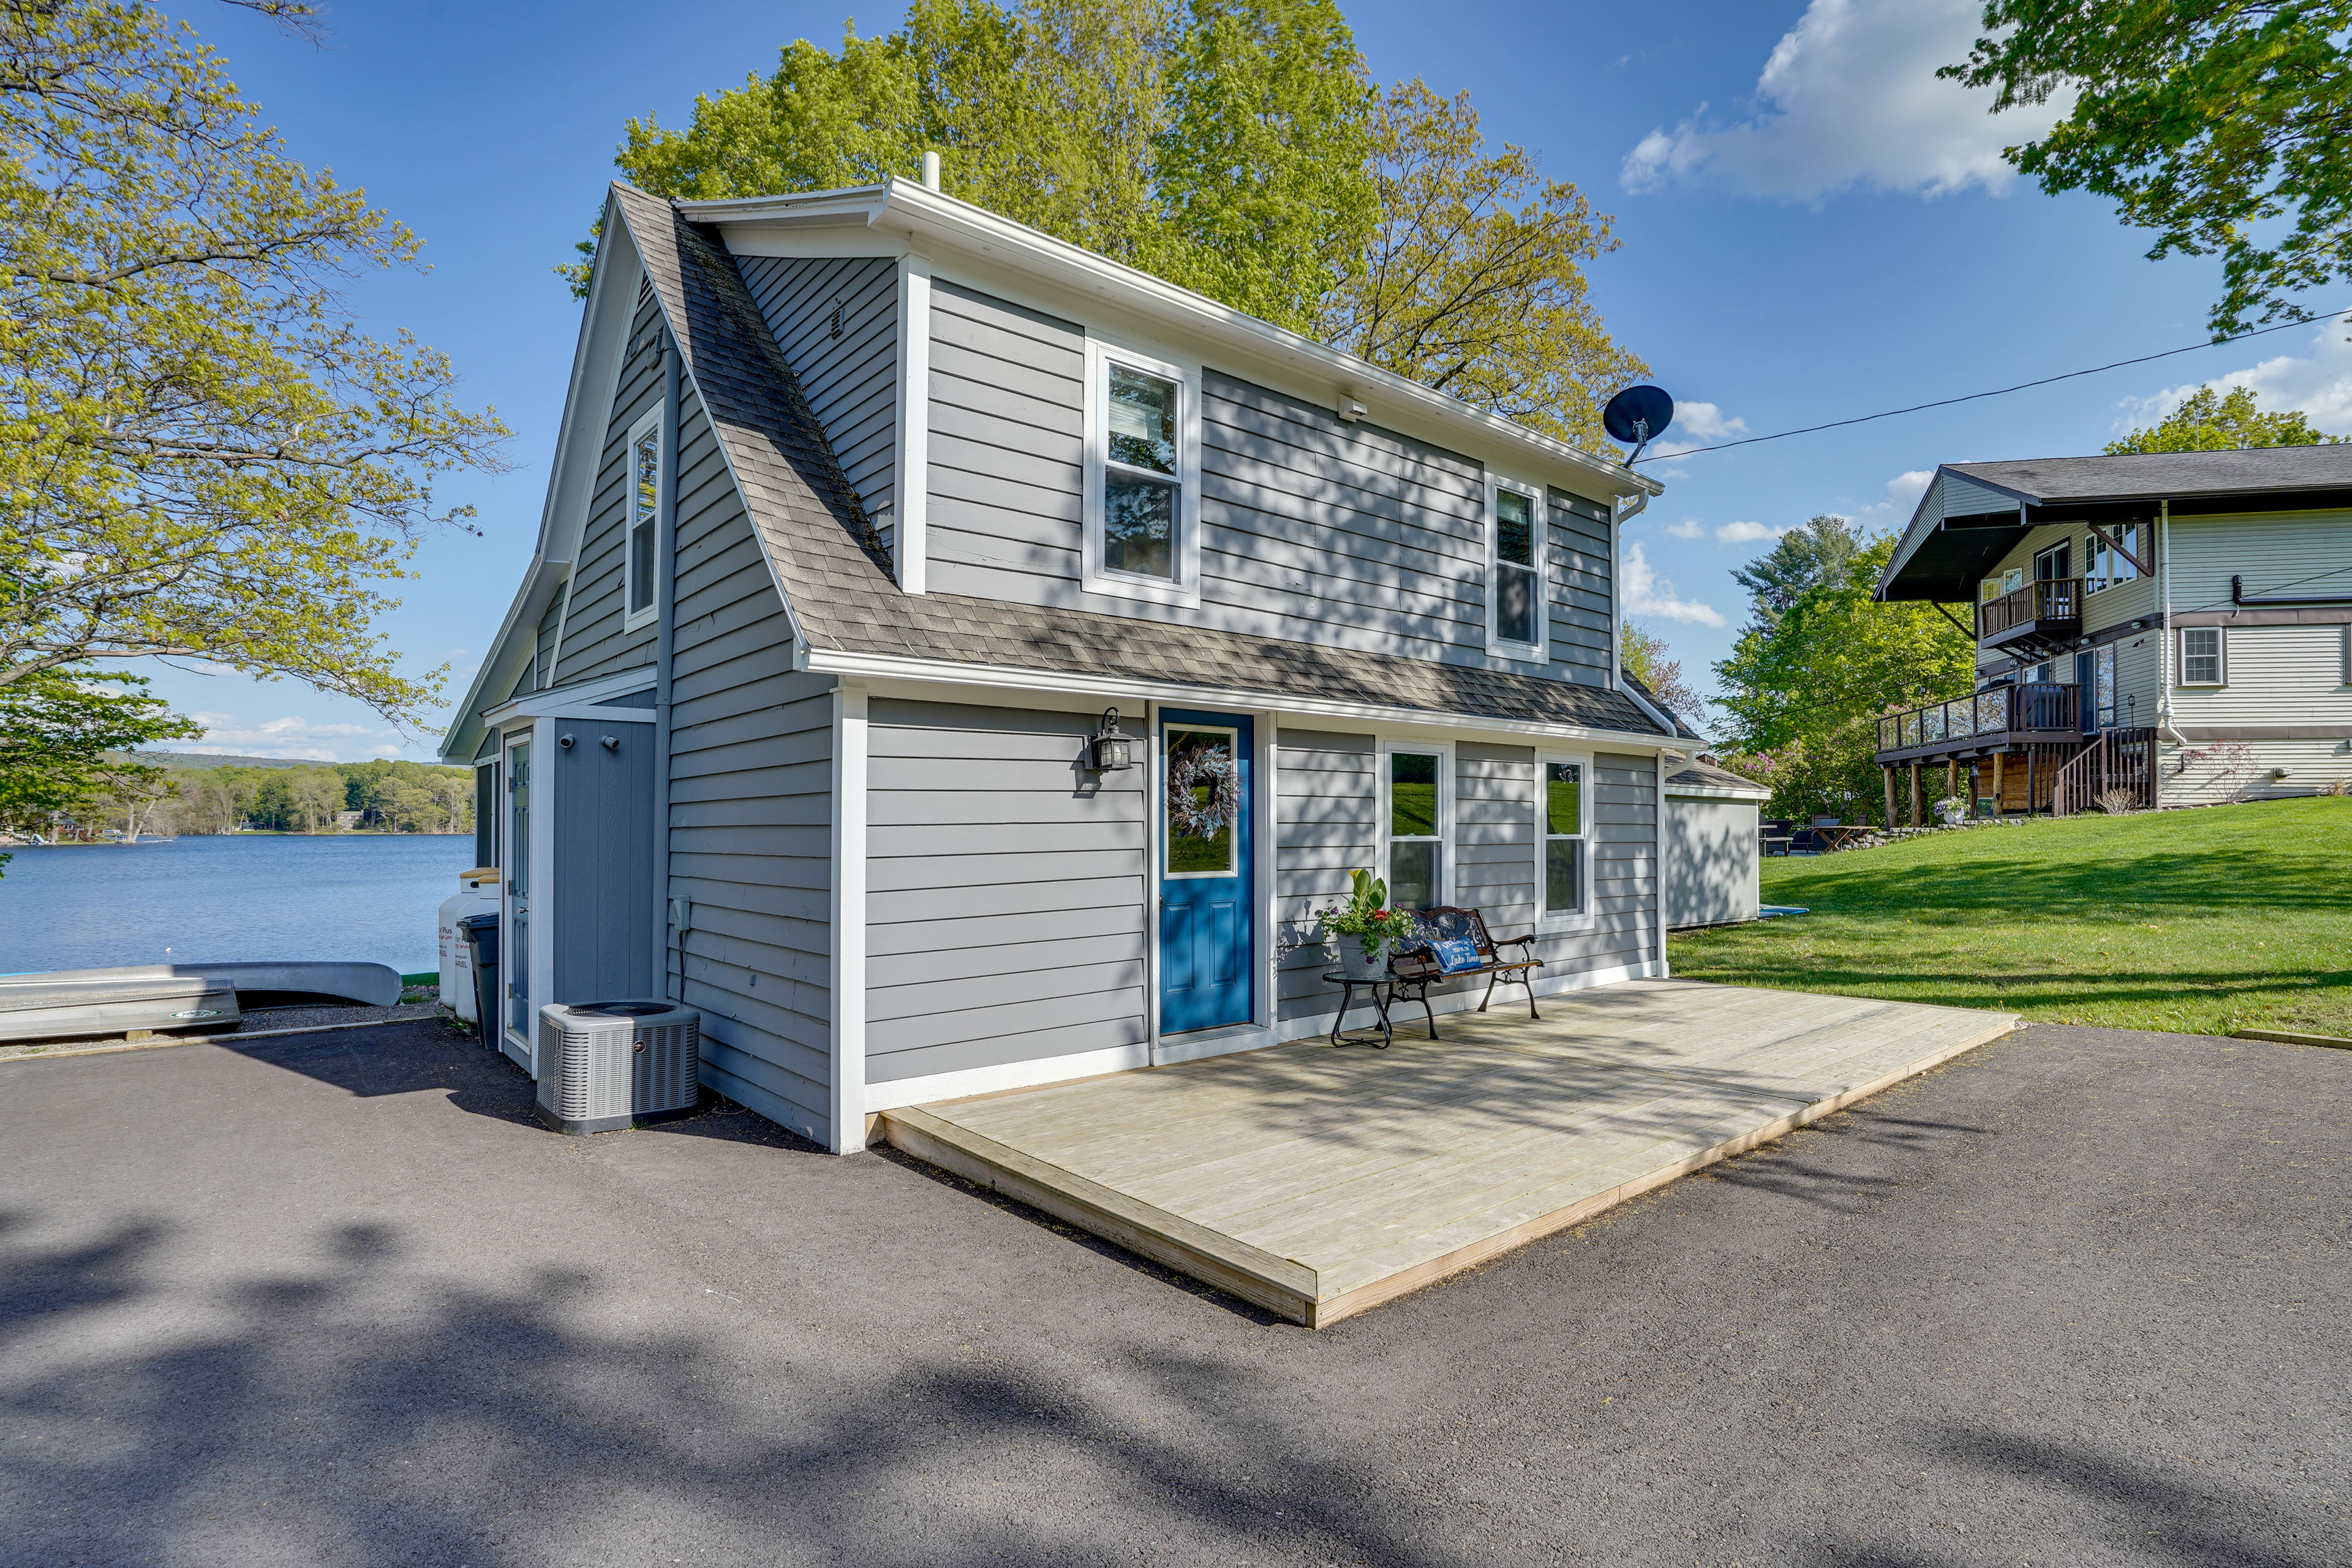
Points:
[[1443, 752], [1186, 588], [2220, 659], [1539, 529], [630, 620], [1167, 838], [1585, 918]]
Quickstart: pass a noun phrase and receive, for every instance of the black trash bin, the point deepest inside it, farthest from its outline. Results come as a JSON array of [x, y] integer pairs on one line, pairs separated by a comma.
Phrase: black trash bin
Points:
[[481, 934]]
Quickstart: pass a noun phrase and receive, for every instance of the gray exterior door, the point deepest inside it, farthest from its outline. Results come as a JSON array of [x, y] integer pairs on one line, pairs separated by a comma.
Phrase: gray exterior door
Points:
[[601, 929]]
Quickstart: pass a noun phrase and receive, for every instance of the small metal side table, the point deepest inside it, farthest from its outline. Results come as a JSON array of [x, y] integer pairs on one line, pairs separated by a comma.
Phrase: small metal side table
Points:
[[1383, 988]]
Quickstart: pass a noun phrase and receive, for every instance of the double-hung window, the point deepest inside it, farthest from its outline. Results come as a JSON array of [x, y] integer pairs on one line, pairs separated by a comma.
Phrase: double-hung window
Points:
[[1515, 596], [2202, 656], [1417, 804], [641, 549], [1143, 445], [1563, 815]]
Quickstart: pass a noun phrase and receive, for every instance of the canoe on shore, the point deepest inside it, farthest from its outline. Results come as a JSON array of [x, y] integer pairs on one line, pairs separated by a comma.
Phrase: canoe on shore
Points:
[[211, 996]]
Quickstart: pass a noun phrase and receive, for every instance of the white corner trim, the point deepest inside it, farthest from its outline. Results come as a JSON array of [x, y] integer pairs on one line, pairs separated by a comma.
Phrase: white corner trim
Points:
[[910, 485], [1185, 588], [846, 976], [902, 1091], [1658, 843]]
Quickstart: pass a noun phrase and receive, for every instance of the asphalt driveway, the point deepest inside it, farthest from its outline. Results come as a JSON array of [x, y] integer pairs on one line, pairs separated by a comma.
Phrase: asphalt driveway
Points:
[[2081, 1297]]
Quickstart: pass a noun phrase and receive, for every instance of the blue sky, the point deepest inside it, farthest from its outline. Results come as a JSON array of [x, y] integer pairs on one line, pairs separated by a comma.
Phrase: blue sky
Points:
[[1813, 227]]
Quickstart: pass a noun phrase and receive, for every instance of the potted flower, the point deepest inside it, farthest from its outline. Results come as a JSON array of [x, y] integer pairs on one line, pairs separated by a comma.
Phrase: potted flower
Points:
[[1363, 932], [1951, 811]]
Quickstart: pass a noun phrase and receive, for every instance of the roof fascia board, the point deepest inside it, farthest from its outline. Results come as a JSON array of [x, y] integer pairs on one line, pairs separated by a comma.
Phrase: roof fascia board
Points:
[[927, 214], [582, 694], [1713, 792], [899, 666]]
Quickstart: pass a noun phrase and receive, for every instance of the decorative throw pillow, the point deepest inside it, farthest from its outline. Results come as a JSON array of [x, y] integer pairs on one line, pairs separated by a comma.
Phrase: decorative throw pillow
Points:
[[1455, 954]]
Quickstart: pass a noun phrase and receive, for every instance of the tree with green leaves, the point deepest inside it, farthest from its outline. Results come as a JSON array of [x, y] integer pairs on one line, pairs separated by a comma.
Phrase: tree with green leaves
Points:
[[2220, 124], [1816, 552], [63, 736], [1805, 689], [1645, 656], [199, 456], [2208, 421], [1235, 147]]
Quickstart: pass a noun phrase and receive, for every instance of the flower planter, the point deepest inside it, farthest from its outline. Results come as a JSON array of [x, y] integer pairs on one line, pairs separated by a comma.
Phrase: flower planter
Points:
[[1352, 961]]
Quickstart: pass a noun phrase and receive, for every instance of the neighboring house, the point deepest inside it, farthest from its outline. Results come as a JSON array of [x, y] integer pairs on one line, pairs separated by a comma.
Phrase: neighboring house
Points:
[[872, 510], [2173, 625]]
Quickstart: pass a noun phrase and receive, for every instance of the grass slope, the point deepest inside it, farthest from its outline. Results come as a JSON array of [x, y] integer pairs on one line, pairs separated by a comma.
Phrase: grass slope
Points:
[[2194, 921]]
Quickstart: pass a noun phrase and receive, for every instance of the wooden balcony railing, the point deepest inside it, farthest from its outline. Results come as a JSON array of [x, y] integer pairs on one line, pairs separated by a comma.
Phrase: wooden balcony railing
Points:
[[2051, 599], [2035, 707]]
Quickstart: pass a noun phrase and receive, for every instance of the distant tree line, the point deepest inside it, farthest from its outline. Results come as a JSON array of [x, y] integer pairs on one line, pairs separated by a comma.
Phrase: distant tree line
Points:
[[332, 797]]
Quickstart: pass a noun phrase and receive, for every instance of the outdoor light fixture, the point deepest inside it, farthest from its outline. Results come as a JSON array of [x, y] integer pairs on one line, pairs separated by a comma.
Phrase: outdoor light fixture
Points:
[[1109, 751]]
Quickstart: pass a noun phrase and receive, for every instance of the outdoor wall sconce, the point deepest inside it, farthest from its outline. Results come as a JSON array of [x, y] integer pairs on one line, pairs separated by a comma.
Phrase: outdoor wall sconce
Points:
[[1109, 751]]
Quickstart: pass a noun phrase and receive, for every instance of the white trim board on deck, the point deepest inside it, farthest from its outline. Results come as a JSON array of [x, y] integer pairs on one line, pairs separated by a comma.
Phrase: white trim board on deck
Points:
[[1317, 1181]]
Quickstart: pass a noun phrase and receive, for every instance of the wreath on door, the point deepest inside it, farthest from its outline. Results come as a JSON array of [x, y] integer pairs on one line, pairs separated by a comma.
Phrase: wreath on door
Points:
[[1204, 789]]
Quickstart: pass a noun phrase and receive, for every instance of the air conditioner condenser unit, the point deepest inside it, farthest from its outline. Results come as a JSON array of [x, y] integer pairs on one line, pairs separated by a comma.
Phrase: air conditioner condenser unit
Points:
[[603, 1066]]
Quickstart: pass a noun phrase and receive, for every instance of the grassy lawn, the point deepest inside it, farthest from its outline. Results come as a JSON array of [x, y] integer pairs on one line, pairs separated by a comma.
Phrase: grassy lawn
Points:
[[2195, 922]]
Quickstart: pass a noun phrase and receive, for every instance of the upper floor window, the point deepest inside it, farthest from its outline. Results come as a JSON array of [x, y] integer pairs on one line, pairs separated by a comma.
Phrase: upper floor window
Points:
[[2050, 565], [2202, 656], [2103, 567], [641, 550], [1143, 458], [1516, 597]]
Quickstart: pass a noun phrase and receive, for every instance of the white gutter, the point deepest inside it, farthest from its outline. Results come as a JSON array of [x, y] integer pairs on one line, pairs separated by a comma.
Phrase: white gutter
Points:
[[902, 667], [2164, 643], [908, 208]]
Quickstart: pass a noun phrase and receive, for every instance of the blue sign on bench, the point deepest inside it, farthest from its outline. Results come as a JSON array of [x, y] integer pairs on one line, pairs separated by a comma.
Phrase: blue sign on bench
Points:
[[1455, 955]]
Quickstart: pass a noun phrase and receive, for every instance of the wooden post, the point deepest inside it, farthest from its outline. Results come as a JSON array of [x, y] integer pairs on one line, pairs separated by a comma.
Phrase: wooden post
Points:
[[1915, 795], [1889, 771], [1952, 781], [2000, 790]]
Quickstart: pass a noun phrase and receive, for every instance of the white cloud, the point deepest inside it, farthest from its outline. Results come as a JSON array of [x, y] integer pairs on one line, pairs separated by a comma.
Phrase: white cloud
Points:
[[290, 737], [2320, 386], [1746, 533], [1688, 528], [1706, 422], [1647, 593], [1905, 488], [1850, 99]]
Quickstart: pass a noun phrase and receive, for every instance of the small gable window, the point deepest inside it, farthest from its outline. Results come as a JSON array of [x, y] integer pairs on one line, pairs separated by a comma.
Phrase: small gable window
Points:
[[641, 552], [1516, 600], [1142, 478]]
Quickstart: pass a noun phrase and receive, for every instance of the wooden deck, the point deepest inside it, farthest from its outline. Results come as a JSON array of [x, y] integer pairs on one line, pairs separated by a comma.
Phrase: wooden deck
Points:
[[1317, 1181]]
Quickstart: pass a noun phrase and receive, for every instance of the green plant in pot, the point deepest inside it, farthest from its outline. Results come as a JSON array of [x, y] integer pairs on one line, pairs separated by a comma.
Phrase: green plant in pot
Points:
[[1365, 930]]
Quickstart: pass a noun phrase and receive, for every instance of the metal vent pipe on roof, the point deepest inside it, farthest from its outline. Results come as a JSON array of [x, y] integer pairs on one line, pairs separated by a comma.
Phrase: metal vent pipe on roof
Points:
[[931, 169]]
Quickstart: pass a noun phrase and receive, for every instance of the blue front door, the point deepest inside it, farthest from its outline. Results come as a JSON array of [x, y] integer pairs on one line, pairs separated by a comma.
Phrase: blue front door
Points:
[[1207, 876]]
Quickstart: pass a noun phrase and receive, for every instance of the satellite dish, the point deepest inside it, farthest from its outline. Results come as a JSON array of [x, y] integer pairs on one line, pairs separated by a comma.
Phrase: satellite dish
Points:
[[1638, 414]]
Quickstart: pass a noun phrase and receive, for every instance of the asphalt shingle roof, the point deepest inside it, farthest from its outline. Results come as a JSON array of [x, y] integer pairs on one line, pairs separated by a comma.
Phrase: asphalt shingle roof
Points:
[[2150, 476], [1699, 775], [838, 581]]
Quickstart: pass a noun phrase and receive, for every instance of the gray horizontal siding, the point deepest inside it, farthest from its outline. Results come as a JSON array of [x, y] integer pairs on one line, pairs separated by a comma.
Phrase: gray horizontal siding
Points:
[[1005, 891], [851, 380], [540, 673], [1578, 575], [749, 825], [1007, 457], [1326, 817], [594, 642]]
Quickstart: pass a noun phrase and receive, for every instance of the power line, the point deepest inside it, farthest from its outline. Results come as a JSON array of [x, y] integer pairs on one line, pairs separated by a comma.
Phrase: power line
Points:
[[1998, 392]]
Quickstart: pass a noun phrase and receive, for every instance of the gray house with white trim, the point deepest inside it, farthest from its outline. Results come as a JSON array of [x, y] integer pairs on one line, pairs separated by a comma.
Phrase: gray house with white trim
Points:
[[870, 507]]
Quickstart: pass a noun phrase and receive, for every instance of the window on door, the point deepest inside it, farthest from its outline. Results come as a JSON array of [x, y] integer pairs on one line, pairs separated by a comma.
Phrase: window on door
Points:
[[644, 519], [1203, 796], [2050, 565], [1563, 810], [1518, 597], [1416, 829]]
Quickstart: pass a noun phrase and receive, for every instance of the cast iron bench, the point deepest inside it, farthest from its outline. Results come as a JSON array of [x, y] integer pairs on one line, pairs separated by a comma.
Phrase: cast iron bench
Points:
[[1416, 968]]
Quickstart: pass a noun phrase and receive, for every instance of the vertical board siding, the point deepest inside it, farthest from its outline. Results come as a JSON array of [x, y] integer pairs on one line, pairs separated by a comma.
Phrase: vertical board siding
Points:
[[594, 642], [603, 839], [1326, 824], [1713, 870], [1004, 891], [851, 380], [1579, 579], [750, 807], [1007, 450], [1343, 535]]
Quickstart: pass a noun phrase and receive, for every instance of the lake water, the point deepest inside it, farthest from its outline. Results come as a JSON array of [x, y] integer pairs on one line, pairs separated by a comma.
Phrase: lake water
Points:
[[365, 897]]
